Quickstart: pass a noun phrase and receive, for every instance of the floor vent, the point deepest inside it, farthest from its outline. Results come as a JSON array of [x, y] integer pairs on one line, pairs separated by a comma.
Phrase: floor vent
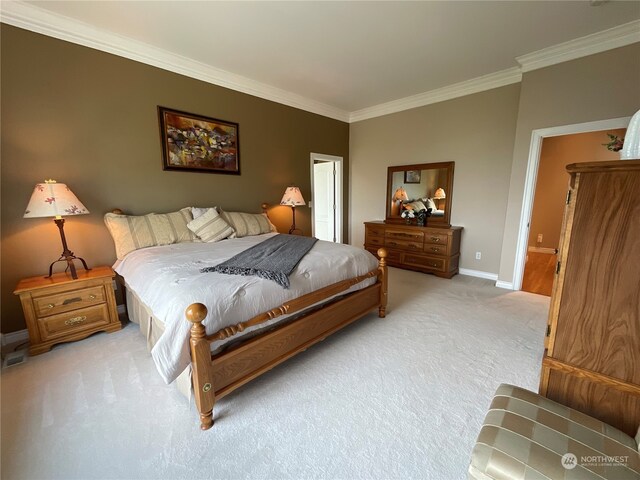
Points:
[[14, 358]]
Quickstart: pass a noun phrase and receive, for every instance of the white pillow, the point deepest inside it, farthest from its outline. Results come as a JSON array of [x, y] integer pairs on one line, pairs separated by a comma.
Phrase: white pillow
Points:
[[430, 204], [416, 206], [198, 212], [210, 227]]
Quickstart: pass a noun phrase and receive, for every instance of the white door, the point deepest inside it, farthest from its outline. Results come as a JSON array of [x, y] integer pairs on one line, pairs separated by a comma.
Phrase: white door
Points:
[[326, 203]]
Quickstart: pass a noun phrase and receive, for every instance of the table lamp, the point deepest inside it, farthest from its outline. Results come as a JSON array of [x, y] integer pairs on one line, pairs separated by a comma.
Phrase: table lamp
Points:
[[52, 199], [293, 197], [439, 195], [399, 196]]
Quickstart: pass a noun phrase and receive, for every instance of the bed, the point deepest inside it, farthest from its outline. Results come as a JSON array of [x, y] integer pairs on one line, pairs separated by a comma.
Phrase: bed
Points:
[[212, 332]]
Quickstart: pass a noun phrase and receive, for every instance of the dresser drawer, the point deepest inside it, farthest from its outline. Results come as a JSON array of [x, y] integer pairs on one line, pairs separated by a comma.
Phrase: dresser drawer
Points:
[[394, 256], [67, 301], [375, 230], [404, 244], [403, 235], [436, 238], [431, 263], [378, 241], [436, 248], [55, 326]]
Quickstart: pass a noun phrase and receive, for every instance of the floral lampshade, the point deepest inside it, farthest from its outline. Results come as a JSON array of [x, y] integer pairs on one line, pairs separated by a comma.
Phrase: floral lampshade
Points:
[[292, 197], [439, 195], [400, 194], [52, 199]]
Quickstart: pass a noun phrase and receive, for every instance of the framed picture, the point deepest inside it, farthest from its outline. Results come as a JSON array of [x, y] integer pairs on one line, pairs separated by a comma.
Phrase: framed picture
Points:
[[412, 176], [193, 143]]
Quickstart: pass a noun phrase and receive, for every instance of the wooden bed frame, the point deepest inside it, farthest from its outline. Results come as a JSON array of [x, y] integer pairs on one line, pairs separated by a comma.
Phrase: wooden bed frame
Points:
[[214, 376]]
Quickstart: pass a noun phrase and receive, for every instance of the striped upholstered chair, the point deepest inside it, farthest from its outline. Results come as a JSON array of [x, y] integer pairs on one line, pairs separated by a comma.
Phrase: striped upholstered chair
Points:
[[528, 437]]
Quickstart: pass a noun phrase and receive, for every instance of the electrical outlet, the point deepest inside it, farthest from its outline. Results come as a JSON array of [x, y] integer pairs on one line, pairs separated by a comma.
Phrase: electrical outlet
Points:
[[115, 285], [539, 238], [478, 255]]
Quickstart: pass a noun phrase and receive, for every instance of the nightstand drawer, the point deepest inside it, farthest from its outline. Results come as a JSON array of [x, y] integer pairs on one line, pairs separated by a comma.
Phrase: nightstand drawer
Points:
[[67, 301], [76, 321]]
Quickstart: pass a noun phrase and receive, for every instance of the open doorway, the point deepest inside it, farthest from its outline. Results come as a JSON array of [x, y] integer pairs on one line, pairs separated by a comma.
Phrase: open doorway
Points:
[[545, 226], [326, 197]]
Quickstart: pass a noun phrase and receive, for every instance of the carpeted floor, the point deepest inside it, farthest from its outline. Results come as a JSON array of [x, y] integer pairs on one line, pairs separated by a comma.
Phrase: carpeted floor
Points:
[[401, 397]]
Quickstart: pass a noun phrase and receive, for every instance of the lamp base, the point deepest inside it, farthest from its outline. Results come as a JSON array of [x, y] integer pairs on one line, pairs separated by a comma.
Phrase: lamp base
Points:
[[70, 265]]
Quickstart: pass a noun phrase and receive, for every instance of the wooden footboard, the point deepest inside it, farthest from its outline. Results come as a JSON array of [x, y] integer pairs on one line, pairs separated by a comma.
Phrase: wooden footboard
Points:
[[214, 376]]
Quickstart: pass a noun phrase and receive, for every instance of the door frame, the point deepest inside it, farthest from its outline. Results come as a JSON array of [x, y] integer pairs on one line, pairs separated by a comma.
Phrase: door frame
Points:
[[339, 164], [537, 136]]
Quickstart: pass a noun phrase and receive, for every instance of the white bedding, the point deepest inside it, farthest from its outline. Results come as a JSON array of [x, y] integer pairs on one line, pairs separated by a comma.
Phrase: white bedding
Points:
[[167, 279]]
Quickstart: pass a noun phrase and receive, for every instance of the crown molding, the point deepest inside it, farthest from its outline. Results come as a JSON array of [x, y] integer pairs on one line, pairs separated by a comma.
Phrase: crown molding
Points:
[[475, 85], [41, 21], [615, 37], [38, 20]]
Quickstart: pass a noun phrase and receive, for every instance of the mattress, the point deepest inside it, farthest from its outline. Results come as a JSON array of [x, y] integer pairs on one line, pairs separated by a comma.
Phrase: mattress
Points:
[[166, 280]]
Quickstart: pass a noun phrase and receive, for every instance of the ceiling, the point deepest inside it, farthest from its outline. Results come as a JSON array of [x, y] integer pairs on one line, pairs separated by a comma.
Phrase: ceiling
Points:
[[351, 55]]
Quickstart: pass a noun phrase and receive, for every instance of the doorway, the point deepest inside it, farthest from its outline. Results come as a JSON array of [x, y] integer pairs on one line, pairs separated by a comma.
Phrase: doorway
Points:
[[545, 195], [326, 197]]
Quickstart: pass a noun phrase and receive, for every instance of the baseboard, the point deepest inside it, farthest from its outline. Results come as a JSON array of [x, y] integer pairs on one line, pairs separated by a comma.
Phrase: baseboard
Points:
[[15, 337], [551, 251], [502, 284], [478, 273]]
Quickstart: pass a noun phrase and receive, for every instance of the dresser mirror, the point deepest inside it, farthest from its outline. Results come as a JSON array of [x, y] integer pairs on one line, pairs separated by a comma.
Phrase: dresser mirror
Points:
[[429, 183]]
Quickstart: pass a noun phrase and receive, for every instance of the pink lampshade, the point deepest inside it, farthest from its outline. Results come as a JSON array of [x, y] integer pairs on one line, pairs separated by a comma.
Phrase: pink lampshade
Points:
[[52, 199], [292, 197], [400, 194], [439, 195]]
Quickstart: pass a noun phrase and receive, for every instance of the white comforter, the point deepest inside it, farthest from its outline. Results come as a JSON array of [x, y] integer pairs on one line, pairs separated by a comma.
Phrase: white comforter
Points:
[[167, 279]]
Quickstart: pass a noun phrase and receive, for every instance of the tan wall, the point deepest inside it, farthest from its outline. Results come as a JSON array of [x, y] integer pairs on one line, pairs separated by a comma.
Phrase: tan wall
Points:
[[597, 87], [88, 119], [476, 132], [551, 184]]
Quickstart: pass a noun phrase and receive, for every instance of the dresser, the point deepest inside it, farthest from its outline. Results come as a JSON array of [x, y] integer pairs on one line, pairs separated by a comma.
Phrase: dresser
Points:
[[433, 250], [592, 348], [62, 309]]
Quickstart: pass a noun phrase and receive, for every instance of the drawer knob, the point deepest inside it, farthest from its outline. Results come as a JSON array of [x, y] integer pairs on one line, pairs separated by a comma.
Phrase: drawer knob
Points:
[[435, 249], [75, 320], [92, 296], [433, 264], [435, 239], [49, 305]]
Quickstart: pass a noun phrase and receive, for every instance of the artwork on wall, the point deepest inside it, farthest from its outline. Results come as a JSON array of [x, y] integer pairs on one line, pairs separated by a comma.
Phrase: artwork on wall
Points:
[[193, 143], [412, 176]]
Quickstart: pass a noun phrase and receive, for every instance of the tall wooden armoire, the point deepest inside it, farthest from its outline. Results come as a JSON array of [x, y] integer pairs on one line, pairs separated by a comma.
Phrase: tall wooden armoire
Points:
[[592, 349]]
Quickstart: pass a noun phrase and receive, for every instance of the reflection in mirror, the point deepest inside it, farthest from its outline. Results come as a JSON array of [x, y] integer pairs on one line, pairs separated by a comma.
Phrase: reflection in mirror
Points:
[[414, 187]]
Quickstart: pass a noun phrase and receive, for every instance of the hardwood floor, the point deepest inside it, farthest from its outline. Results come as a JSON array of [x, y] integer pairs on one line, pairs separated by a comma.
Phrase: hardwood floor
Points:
[[538, 273]]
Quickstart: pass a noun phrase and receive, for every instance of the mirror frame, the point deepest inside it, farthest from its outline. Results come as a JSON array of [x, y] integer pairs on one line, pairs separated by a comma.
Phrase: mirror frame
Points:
[[443, 221]]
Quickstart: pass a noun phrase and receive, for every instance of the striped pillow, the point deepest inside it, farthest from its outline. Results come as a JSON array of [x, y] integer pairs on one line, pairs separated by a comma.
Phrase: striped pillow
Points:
[[130, 233], [210, 227], [246, 224]]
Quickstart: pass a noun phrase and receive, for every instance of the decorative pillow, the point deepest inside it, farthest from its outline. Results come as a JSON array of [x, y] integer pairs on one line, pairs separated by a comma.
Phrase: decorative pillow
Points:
[[210, 227], [198, 212], [246, 224], [416, 206], [430, 204], [130, 232]]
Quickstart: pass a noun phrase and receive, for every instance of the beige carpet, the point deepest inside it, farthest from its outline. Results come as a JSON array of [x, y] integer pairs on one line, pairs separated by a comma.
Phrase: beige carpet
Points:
[[401, 397]]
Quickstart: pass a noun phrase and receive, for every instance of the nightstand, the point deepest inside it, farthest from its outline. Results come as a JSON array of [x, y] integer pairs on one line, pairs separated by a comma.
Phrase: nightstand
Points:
[[60, 309]]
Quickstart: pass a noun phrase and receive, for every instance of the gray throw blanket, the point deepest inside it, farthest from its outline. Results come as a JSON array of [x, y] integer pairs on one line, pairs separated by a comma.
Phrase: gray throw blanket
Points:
[[273, 259]]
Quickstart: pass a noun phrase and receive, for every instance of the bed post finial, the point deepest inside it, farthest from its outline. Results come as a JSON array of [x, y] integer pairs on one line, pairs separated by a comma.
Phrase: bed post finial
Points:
[[265, 206], [382, 267], [201, 376]]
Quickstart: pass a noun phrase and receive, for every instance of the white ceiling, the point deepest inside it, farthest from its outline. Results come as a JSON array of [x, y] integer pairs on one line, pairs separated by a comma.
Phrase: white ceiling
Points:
[[351, 55]]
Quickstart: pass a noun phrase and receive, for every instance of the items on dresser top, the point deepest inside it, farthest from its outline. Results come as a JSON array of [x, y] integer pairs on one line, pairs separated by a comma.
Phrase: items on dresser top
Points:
[[426, 249], [62, 309]]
